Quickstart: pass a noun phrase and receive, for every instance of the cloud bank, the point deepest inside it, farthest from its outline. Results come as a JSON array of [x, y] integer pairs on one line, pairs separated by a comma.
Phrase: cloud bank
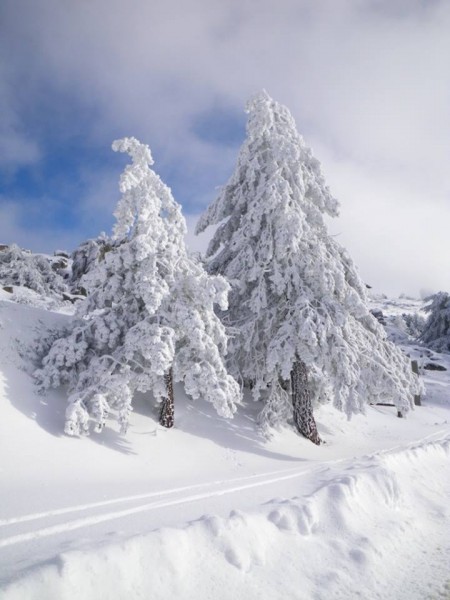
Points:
[[367, 81]]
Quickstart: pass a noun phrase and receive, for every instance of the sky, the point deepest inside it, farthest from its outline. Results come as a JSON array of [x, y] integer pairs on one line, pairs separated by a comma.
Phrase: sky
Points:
[[367, 81]]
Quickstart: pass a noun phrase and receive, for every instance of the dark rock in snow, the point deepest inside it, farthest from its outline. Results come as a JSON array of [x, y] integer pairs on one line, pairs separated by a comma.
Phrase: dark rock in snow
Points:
[[379, 316], [431, 366], [81, 291], [60, 264], [72, 297]]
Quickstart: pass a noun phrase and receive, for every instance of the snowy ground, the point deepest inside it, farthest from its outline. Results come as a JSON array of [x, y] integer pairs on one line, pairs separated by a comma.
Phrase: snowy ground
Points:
[[212, 510]]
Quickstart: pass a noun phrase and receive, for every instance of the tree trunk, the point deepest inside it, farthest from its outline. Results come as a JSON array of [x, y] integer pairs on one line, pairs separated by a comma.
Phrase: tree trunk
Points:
[[301, 403], [415, 369], [166, 416]]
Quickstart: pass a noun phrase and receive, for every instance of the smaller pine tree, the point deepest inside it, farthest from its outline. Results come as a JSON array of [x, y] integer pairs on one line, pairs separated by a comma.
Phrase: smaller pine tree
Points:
[[149, 316], [436, 332]]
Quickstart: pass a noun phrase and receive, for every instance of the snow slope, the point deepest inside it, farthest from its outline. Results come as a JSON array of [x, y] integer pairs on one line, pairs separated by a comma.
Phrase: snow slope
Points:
[[211, 509]]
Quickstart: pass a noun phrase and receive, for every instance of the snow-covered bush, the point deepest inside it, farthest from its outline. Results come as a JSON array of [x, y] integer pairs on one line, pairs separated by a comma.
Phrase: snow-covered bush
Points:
[[85, 256], [415, 324], [21, 268], [410, 324], [149, 314], [436, 332], [298, 305]]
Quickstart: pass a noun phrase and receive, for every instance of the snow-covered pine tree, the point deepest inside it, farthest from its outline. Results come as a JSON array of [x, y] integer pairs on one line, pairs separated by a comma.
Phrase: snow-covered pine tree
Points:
[[302, 330], [436, 332], [149, 315]]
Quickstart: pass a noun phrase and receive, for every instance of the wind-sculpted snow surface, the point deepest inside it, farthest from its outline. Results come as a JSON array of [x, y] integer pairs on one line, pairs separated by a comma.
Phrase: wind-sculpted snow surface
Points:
[[211, 509], [296, 294], [356, 535]]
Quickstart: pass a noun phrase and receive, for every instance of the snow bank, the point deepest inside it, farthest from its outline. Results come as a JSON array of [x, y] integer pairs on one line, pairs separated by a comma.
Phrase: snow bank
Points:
[[366, 515], [374, 528]]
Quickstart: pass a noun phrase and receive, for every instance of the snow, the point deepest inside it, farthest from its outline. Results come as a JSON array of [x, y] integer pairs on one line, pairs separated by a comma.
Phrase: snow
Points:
[[211, 509]]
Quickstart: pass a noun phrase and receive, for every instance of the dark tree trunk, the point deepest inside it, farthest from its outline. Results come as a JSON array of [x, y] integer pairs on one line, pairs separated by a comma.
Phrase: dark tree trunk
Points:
[[415, 369], [301, 403], [166, 416]]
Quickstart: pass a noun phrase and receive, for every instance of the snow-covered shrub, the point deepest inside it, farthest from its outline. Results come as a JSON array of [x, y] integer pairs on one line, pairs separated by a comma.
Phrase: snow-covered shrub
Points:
[[414, 323], [85, 256], [297, 298], [34, 271], [404, 328], [149, 313], [436, 333]]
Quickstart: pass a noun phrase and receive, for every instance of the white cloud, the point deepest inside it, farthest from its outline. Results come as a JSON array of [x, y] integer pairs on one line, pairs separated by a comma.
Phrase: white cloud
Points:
[[197, 243], [397, 235], [14, 229], [367, 80]]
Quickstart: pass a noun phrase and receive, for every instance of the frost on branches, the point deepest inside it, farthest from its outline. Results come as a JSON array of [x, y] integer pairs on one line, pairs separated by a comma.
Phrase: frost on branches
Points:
[[297, 307], [85, 256], [149, 314], [436, 333], [34, 271]]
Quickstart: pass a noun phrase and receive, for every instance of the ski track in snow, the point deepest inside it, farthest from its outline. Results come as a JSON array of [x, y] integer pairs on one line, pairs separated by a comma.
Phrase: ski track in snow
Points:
[[81, 507], [224, 488], [286, 474], [247, 483]]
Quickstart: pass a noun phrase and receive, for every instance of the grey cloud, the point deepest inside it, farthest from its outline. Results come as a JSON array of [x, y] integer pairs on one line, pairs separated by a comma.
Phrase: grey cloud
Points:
[[368, 82], [16, 148]]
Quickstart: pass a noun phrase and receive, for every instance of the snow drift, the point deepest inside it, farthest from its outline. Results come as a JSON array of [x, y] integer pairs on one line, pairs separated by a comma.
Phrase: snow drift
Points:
[[210, 509], [347, 539]]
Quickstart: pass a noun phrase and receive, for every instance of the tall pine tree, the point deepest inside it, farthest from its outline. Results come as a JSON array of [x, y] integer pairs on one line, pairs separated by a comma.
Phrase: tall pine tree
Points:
[[302, 333], [148, 318]]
